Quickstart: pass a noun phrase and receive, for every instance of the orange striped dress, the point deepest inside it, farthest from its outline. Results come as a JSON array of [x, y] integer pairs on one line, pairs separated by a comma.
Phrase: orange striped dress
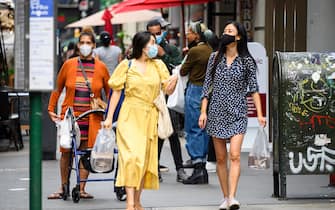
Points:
[[81, 102]]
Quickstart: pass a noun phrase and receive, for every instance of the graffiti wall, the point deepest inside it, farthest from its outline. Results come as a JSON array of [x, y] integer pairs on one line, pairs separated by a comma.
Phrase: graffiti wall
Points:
[[307, 110]]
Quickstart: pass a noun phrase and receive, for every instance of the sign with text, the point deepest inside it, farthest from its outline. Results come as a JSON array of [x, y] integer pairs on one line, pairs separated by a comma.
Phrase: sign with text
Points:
[[246, 17], [41, 45], [258, 52]]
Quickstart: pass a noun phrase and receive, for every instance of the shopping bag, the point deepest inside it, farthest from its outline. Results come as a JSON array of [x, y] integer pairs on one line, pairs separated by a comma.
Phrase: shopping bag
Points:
[[102, 154], [65, 132], [176, 100], [165, 128], [259, 156]]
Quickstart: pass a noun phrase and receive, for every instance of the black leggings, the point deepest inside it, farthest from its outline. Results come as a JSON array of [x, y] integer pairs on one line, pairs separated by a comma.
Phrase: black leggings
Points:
[[175, 149]]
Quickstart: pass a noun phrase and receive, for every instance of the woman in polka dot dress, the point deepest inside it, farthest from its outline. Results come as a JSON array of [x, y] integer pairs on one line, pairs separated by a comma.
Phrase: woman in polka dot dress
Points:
[[230, 75]]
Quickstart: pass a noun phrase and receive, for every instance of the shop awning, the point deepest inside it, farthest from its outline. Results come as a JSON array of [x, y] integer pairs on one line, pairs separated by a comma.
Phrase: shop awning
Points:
[[120, 18]]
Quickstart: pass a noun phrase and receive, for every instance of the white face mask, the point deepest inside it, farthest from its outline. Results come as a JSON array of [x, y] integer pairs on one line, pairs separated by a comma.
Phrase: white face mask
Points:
[[85, 50]]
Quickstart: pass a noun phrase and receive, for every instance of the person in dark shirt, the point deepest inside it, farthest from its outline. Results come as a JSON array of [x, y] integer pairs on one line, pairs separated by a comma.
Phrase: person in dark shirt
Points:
[[169, 53]]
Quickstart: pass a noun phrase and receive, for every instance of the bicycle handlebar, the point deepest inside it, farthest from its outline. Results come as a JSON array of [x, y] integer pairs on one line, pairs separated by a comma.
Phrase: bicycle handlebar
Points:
[[102, 111]]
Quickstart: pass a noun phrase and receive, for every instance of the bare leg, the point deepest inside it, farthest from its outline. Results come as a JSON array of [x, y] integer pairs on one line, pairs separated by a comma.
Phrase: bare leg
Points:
[[64, 172], [138, 205], [235, 164], [83, 175], [221, 164], [130, 198], [64, 167]]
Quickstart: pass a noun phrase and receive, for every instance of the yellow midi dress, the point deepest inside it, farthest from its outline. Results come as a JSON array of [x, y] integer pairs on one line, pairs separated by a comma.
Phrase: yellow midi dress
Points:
[[136, 132]]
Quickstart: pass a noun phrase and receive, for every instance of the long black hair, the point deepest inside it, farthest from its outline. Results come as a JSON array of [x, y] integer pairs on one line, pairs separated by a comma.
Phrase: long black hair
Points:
[[242, 45], [140, 40]]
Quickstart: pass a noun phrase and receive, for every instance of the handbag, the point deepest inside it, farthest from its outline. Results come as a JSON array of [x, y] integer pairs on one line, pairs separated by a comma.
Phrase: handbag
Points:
[[96, 103], [165, 128], [65, 131], [176, 100], [119, 104]]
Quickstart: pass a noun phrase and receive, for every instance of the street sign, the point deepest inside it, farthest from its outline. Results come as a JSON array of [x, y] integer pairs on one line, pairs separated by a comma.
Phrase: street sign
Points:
[[41, 45], [258, 52]]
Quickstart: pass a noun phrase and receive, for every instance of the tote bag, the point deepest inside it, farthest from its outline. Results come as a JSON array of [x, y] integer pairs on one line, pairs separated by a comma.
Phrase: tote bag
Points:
[[165, 128]]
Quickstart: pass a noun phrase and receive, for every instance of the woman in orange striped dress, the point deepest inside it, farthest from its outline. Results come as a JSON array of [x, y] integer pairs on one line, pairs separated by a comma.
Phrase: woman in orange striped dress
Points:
[[78, 96]]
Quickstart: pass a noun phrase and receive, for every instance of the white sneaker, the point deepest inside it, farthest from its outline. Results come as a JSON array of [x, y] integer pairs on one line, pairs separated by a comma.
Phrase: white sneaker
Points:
[[234, 204], [224, 204], [211, 167]]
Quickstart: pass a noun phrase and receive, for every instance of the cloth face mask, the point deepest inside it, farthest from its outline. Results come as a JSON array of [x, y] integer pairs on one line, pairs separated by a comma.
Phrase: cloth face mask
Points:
[[153, 50], [227, 39], [85, 50]]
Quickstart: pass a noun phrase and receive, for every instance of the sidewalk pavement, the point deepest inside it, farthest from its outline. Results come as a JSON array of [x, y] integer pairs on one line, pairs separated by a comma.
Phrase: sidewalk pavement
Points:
[[254, 191]]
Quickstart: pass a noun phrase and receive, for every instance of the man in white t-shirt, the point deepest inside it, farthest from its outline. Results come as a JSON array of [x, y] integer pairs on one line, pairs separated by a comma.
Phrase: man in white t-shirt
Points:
[[109, 54]]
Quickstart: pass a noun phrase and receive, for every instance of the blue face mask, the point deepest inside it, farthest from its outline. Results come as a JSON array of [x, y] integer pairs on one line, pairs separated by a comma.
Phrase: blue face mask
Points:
[[153, 50], [161, 37]]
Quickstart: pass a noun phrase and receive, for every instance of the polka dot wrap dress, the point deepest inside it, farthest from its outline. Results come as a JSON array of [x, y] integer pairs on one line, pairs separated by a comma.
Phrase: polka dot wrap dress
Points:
[[227, 93]]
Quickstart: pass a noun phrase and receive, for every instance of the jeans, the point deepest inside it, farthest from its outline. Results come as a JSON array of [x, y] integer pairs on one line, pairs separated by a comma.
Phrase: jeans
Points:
[[196, 138]]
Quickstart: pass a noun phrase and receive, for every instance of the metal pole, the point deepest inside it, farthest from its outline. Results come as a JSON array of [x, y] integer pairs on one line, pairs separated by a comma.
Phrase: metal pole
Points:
[[183, 24], [35, 189]]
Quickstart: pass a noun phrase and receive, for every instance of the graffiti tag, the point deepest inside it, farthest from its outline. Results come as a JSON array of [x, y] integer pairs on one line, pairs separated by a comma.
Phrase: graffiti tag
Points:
[[323, 157]]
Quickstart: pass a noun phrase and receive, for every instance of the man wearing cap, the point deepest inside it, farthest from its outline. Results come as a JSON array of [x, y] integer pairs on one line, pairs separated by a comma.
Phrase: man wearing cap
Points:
[[171, 56], [107, 53]]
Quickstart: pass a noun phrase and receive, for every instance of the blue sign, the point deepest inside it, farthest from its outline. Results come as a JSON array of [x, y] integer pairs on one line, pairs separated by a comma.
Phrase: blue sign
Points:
[[41, 8]]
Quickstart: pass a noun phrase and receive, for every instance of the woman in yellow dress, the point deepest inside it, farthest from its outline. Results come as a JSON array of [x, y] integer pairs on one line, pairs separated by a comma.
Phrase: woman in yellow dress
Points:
[[136, 133]]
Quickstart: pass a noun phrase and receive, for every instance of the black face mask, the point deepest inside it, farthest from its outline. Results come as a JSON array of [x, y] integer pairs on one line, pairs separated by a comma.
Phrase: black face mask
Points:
[[227, 39]]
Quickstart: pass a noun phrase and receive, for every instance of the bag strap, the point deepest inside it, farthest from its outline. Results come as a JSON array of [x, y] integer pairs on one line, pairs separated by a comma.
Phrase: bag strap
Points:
[[111, 91], [129, 64], [85, 76]]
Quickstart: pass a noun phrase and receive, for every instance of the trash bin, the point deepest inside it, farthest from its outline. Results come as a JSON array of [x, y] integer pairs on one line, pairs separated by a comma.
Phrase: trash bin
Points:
[[303, 104]]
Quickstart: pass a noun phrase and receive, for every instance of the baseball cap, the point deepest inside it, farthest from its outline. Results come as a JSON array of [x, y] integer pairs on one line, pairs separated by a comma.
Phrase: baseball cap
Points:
[[105, 37], [158, 20], [163, 22]]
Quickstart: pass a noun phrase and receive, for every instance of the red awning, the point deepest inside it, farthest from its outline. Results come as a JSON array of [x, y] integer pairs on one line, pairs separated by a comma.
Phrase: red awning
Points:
[[131, 5]]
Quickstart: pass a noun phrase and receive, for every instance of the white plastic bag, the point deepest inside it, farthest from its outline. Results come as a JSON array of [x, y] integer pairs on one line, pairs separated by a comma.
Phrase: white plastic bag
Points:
[[64, 130], [176, 100], [102, 155], [259, 156]]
